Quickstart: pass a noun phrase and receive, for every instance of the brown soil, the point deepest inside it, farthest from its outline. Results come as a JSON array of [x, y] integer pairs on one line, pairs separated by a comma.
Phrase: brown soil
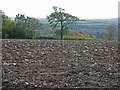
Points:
[[30, 64]]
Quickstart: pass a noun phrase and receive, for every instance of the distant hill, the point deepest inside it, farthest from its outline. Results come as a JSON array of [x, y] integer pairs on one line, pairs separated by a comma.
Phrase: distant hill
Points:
[[74, 33], [104, 20], [42, 19], [98, 20]]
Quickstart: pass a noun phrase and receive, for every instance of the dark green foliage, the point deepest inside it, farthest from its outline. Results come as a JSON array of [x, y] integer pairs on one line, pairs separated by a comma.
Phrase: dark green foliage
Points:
[[29, 25], [34, 24], [47, 37], [20, 28], [10, 29]]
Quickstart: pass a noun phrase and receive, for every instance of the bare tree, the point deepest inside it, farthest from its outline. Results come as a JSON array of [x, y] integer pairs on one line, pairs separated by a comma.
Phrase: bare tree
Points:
[[111, 33]]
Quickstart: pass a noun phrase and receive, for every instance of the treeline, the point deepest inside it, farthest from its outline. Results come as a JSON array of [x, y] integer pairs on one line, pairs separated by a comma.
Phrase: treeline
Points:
[[20, 27]]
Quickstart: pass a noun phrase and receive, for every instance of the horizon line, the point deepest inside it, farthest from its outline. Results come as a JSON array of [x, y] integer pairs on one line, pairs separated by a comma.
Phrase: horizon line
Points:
[[79, 18]]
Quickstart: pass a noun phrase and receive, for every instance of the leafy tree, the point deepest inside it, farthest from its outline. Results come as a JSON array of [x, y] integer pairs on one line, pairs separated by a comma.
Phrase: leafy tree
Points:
[[22, 26], [28, 25], [33, 25], [8, 27], [60, 17], [111, 33], [21, 21]]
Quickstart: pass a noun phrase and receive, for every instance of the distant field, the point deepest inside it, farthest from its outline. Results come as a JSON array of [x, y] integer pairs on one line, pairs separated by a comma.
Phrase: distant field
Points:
[[89, 26]]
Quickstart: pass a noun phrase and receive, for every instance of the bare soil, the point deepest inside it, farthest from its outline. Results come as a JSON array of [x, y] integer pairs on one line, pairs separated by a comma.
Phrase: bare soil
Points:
[[40, 64]]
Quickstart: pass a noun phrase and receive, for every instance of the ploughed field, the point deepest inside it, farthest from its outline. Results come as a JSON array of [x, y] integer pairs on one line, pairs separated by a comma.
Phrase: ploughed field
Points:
[[34, 64]]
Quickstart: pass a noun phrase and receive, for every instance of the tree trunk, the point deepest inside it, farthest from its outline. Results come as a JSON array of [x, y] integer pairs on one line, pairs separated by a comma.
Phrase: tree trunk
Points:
[[61, 35], [61, 31]]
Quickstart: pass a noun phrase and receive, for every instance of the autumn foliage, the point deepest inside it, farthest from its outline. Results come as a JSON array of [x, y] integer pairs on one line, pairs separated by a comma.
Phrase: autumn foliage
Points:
[[74, 33]]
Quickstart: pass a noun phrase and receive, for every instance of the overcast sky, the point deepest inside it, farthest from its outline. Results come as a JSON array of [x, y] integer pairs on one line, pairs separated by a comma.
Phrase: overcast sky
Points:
[[84, 9]]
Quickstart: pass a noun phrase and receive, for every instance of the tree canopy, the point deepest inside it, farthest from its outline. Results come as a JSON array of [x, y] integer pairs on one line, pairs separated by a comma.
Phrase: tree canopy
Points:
[[20, 27], [60, 17]]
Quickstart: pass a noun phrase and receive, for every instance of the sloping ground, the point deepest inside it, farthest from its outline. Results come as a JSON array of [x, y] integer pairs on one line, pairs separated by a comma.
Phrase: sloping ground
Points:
[[30, 64], [74, 33]]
